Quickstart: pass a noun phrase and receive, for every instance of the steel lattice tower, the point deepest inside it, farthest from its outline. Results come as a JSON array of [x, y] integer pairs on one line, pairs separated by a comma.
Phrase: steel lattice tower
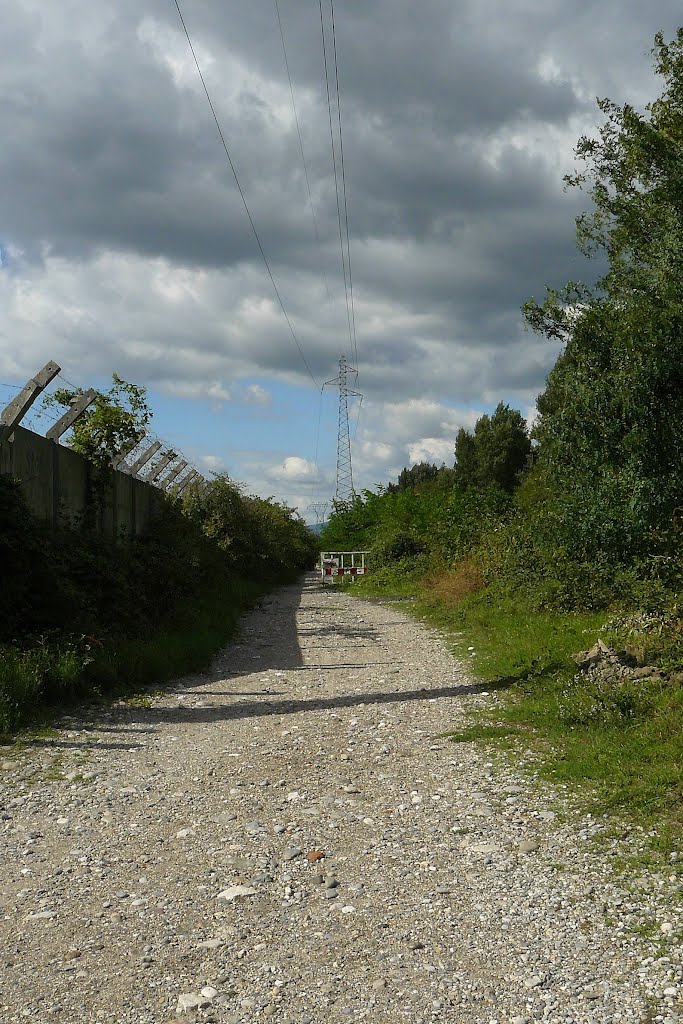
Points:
[[320, 508], [345, 492]]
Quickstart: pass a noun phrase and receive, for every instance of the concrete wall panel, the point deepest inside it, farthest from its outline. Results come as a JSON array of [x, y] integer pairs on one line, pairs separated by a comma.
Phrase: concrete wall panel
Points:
[[124, 509], [32, 465], [55, 483], [71, 477]]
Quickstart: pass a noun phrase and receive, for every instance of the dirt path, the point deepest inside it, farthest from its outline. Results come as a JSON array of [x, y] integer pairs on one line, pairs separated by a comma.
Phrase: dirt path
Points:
[[154, 861]]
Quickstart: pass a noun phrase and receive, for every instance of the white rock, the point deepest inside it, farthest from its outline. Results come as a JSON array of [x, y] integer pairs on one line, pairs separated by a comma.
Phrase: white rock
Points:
[[484, 848], [528, 846], [209, 992], [236, 892], [188, 1002]]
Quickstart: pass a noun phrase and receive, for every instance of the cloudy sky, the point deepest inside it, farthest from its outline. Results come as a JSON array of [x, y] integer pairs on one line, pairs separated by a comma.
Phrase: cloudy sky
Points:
[[124, 244]]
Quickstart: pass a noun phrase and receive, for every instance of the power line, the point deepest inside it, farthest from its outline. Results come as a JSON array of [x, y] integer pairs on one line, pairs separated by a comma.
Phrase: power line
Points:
[[346, 209], [12, 387], [242, 196], [301, 147], [334, 167]]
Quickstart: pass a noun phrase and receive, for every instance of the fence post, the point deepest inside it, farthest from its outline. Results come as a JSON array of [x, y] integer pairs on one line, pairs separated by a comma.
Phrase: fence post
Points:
[[144, 458], [160, 467], [173, 475], [183, 484], [13, 414], [123, 452], [78, 407]]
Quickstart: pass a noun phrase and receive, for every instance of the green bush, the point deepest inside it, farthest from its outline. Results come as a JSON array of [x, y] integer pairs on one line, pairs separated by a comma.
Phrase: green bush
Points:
[[396, 547], [80, 615]]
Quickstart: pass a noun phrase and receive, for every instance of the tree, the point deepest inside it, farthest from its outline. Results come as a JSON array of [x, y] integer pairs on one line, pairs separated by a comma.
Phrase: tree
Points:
[[420, 473], [465, 459], [611, 417], [496, 454], [115, 418]]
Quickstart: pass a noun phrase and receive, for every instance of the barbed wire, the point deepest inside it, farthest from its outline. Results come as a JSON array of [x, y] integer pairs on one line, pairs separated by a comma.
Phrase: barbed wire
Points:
[[66, 380], [41, 417]]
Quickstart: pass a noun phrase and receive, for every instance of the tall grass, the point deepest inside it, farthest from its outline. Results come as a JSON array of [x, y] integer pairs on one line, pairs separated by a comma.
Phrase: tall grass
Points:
[[55, 672]]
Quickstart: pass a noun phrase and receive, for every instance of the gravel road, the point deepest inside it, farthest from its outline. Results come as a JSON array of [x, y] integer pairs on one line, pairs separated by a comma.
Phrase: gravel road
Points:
[[289, 836]]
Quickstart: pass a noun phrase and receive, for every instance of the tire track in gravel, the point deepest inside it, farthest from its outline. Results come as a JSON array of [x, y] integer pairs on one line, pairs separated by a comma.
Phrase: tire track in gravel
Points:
[[450, 889]]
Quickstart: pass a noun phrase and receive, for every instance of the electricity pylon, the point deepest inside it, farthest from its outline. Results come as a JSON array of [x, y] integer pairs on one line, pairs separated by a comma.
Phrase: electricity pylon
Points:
[[345, 492], [320, 508]]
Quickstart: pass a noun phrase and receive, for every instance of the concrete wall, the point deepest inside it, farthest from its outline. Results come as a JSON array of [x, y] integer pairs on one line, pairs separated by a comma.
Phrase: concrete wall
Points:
[[56, 483]]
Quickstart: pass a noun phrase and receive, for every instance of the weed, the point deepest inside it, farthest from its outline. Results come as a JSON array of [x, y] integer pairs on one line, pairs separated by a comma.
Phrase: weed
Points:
[[126, 669], [453, 586]]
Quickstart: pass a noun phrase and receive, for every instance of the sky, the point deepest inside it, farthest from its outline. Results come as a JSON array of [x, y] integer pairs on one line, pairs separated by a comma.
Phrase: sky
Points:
[[125, 246]]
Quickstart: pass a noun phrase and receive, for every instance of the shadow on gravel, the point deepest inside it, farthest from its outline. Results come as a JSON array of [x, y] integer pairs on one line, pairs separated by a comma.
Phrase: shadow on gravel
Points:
[[223, 693], [270, 642], [59, 744], [265, 706]]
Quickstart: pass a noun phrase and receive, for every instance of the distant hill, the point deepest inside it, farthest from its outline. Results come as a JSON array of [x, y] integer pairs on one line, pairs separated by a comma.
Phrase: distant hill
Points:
[[317, 527]]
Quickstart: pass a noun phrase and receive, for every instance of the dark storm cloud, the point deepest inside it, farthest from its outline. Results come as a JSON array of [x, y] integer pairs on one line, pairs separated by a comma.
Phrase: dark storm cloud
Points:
[[127, 234], [105, 152]]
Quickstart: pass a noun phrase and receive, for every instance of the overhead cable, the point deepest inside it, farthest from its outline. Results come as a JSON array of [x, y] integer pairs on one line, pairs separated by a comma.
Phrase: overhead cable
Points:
[[336, 176], [242, 196], [346, 209], [301, 147]]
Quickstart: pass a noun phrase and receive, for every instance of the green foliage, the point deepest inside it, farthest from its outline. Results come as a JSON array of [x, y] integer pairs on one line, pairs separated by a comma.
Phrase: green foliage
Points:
[[610, 429], [78, 614], [256, 536], [466, 473], [52, 672], [423, 476], [496, 454], [396, 547], [426, 524], [633, 176], [115, 418], [611, 433]]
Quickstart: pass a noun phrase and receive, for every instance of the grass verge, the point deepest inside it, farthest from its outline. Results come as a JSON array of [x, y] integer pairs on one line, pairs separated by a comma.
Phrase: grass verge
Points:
[[40, 680], [619, 748]]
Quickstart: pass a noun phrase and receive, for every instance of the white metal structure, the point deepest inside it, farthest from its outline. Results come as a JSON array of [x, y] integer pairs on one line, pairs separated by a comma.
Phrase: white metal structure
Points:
[[334, 564]]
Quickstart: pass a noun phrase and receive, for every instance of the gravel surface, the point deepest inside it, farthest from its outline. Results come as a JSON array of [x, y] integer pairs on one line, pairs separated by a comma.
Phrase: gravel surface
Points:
[[290, 837]]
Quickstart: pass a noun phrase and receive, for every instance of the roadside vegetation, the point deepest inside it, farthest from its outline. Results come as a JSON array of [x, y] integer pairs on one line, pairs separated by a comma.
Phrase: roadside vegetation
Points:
[[81, 617], [535, 545]]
